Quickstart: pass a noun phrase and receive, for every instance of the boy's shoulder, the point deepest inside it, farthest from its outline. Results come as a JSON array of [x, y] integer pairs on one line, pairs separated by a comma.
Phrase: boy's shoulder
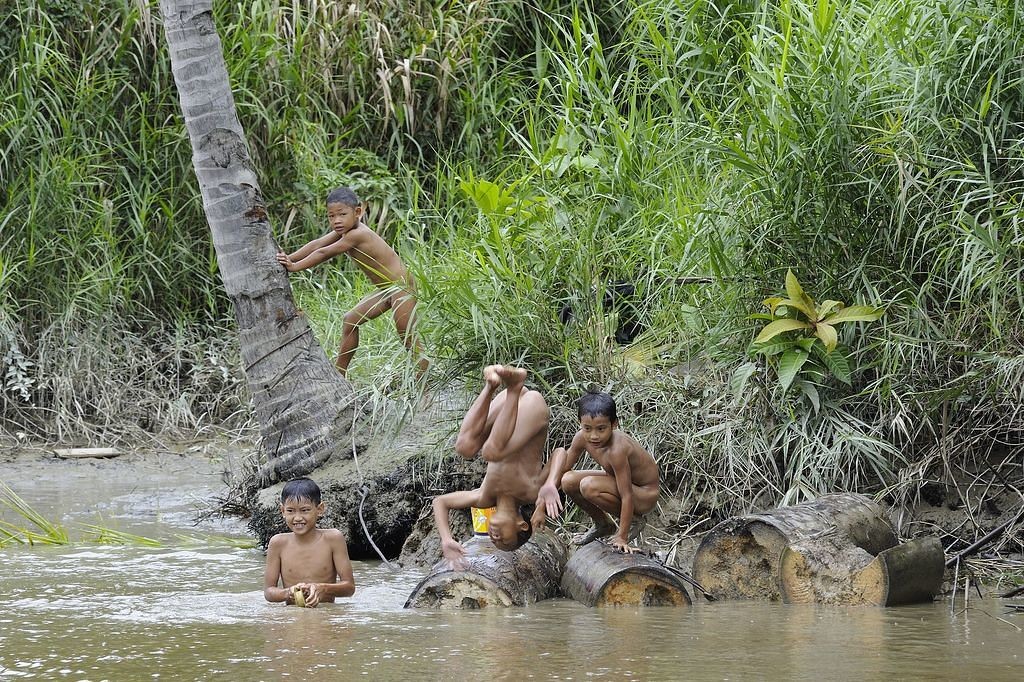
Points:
[[623, 443], [281, 538], [361, 231], [332, 535]]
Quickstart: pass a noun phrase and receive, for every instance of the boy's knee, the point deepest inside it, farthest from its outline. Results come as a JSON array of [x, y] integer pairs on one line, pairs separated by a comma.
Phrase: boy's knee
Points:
[[466, 447], [570, 481], [591, 488], [352, 320]]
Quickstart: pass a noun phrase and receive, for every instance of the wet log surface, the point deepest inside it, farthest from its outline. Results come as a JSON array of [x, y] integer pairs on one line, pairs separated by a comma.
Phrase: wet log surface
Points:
[[830, 572], [492, 577], [741, 557], [599, 575]]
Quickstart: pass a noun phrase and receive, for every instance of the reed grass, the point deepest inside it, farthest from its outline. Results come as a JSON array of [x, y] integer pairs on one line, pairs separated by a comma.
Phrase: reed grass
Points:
[[695, 150], [42, 531]]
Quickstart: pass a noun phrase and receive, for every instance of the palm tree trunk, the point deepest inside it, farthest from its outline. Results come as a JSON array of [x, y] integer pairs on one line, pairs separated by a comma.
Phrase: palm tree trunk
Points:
[[303, 405]]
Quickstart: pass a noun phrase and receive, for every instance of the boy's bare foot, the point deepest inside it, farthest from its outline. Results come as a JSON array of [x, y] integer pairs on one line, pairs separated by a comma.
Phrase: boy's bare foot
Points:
[[491, 376], [512, 376], [599, 530]]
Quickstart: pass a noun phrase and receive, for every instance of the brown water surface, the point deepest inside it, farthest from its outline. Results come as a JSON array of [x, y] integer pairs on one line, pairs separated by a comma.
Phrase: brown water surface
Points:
[[194, 610]]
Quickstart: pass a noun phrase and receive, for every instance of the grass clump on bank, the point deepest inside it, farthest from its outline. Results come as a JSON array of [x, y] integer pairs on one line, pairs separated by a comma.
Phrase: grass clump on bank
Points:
[[532, 163]]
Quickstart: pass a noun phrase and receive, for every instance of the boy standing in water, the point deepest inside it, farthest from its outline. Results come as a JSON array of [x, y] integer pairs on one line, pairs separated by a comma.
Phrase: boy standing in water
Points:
[[625, 486], [309, 559], [395, 286], [509, 431]]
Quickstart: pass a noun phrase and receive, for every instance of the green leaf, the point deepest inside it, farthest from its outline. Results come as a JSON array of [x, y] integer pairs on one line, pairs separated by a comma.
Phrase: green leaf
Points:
[[986, 98], [789, 366], [828, 335], [802, 305], [827, 307], [806, 342], [798, 297], [811, 392], [738, 381], [855, 313], [769, 349], [772, 303], [793, 287], [778, 327], [838, 364], [824, 11]]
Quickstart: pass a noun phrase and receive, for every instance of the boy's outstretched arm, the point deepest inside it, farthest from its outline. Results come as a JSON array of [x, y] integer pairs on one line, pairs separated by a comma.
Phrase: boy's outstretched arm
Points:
[[313, 253], [452, 551], [549, 504]]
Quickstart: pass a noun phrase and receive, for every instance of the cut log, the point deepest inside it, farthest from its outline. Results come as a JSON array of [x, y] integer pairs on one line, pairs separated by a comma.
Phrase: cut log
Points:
[[74, 453], [598, 575], [493, 577], [829, 572], [740, 557], [910, 573]]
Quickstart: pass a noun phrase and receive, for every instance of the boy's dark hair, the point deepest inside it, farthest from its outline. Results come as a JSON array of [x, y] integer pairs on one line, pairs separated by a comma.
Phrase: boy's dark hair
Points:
[[301, 489], [597, 404], [343, 195], [524, 535]]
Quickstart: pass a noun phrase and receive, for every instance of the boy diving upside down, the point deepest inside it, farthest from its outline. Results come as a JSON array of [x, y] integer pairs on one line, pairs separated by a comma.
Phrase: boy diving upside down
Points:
[[625, 486], [508, 430]]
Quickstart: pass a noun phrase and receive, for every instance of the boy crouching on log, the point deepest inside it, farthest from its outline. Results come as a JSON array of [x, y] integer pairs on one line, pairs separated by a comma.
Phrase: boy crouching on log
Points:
[[309, 565], [625, 486], [509, 431]]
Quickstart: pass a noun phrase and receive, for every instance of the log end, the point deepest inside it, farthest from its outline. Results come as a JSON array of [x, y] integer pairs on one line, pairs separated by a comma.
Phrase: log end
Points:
[[823, 571], [910, 573], [739, 559], [634, 588], [457, 590], [795, 576], [827, 572]]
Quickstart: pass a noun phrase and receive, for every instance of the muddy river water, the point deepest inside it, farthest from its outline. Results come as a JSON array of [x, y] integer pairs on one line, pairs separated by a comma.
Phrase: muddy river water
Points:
[[193, 609]]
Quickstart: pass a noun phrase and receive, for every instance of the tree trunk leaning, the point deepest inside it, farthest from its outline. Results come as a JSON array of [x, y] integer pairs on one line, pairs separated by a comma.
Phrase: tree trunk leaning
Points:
[[817, 572], [598, 575], [740, 557], [303, 405], [493, 577]]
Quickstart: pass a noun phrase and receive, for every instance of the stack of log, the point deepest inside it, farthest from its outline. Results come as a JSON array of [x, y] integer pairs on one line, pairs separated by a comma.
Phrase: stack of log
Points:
[[837, 549], [597, 575]]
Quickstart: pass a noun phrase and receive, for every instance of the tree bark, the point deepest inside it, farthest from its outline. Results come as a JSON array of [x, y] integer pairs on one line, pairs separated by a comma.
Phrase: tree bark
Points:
[[598, 575], [740, 557], [494, 577], [827, 572], [303, 405]]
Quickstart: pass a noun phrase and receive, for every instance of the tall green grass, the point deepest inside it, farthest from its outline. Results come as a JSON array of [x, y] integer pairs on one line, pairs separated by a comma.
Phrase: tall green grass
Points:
[[523, 157]]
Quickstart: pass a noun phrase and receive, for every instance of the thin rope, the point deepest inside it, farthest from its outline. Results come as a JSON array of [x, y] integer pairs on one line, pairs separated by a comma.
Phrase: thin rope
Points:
[[365, 490]]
